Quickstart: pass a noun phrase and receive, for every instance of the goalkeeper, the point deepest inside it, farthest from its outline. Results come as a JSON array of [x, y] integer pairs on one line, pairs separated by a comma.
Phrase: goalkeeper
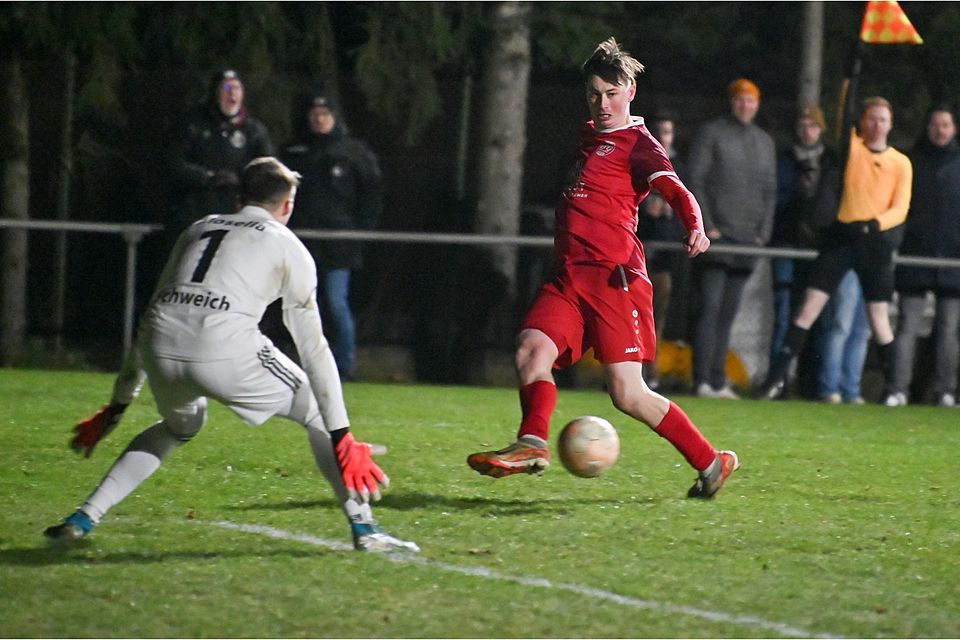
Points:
[[199, 338]]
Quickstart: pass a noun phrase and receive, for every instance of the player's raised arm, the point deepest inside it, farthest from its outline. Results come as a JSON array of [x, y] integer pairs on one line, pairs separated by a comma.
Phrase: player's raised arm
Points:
[[683, 202]]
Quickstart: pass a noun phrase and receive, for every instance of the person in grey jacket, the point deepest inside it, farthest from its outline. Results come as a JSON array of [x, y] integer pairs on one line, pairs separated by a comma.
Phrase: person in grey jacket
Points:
[[733, 173]]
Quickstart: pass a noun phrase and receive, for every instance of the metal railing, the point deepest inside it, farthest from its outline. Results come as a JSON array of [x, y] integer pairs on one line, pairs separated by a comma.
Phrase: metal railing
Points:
[[132, 234]]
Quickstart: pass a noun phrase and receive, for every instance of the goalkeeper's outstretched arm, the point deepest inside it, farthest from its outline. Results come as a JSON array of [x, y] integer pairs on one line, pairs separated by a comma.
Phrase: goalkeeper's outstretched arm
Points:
[[126, 388]]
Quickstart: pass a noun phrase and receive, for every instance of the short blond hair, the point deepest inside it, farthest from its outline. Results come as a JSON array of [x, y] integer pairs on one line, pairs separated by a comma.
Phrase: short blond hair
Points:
[[268, 181], [876, 101], [612, 63]]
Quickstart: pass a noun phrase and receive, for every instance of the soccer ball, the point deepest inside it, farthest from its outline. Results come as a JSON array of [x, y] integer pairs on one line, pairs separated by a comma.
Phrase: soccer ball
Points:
[[588, 446]]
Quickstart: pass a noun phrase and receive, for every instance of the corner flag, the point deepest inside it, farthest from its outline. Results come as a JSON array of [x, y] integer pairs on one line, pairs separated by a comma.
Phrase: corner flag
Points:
[[885, 23]]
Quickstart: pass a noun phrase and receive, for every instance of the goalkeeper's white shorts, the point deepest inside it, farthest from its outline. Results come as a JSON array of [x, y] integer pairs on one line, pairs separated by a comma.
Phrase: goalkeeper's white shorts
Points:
[[257, 386]]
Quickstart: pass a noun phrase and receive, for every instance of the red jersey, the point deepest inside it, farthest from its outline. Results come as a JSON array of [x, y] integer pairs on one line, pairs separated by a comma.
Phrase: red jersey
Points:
[[596, 219]]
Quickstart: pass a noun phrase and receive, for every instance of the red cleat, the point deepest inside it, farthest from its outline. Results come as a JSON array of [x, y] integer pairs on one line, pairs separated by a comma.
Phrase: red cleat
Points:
[[519, 457], [706, 488]]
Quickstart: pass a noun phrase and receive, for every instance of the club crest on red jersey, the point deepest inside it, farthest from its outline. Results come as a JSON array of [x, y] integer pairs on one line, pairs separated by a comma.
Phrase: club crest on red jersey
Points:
[[605, 148]]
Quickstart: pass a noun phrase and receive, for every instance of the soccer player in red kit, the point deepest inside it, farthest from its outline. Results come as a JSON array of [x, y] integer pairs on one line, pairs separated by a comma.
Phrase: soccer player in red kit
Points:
[[601, 296]]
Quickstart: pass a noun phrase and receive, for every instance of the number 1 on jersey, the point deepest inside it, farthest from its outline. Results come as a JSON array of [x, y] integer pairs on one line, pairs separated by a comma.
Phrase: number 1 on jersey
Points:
[[216, 237]]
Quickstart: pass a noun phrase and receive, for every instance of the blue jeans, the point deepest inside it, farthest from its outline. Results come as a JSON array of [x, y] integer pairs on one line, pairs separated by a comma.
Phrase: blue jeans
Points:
[[782, 269], [843, 344], [339, 326]]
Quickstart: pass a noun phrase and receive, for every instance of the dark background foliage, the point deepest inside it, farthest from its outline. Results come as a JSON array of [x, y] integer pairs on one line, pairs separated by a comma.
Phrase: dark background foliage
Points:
[[400, 70]]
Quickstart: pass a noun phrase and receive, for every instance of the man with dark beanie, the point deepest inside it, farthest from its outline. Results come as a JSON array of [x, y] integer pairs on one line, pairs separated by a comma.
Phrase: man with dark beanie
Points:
[[877, 186], [341, 189], [207, 157]]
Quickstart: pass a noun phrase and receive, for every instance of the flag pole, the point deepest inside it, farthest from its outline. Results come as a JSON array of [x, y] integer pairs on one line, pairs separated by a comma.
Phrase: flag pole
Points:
[[847, 108]]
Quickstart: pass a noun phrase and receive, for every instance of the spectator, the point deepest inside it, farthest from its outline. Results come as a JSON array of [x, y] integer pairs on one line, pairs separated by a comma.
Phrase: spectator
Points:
[[219, 139], [341, 189], [807, 175], [843, 343], [873, 206], [733, 175], [658, 223], [932, 229]]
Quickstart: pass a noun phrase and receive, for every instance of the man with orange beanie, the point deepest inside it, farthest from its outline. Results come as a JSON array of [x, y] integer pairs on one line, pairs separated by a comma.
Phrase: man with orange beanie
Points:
[[733, 173]]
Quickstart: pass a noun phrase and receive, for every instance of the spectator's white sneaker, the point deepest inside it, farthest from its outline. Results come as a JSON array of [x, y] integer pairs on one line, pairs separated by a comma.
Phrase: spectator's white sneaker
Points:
[[833, 398], [897, 399], [726, 392], [704, 390], [947, 400]]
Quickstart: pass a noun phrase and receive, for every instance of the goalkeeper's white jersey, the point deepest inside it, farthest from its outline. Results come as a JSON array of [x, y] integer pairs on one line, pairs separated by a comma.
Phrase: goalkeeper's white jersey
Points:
[[222, 274], [219, 279]]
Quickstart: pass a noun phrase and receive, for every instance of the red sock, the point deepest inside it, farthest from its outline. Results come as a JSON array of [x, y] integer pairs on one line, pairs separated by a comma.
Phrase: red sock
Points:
[[537, 401], [678, 429]]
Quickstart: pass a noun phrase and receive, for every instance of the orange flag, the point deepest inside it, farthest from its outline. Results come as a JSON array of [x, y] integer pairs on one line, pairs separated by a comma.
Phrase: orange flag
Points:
[[886, 23]]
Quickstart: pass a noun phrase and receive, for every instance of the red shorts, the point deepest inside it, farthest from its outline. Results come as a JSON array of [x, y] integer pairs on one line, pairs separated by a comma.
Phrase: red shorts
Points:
[[587, 306]]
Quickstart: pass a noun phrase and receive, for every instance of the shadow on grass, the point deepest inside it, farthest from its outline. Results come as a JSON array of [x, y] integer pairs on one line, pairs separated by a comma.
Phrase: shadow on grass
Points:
[[77, 553], [406, 501]]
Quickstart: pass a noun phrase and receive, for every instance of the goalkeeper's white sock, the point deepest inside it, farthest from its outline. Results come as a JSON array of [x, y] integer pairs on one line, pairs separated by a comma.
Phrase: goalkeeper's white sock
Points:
[[141, 458], [126, 474]]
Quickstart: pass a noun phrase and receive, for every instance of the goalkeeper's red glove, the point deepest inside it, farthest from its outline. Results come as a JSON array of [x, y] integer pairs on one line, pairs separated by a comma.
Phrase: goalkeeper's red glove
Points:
[[361, 475], [96, 428]]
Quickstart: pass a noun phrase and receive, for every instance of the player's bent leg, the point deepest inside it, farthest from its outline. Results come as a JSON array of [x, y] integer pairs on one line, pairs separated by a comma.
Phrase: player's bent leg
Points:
[[367, 534], [670, 422], [631, 395], [535, 356], [529, 454], [138, 462], [141, 459]]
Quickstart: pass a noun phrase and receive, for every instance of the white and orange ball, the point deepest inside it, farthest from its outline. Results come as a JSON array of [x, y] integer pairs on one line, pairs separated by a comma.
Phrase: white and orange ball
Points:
[[588, 446]]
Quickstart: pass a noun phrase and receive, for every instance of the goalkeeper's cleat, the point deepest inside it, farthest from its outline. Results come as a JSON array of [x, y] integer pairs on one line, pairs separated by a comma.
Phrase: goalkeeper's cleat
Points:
[[368, 536], [712, 479], [519, 457], [76, 526]]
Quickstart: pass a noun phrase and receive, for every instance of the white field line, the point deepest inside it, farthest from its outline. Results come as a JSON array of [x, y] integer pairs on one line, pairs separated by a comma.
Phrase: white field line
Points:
[[590, 592]]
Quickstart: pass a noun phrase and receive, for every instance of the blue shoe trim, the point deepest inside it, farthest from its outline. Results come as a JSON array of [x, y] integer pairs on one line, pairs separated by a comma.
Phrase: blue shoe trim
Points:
[[364, 528], [80, 519]]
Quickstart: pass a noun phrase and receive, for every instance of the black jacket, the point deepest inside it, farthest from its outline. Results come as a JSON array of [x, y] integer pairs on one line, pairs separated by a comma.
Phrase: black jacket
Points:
[[341, 188], [210, 142], [933, 223], [664, 228], [804, 210]]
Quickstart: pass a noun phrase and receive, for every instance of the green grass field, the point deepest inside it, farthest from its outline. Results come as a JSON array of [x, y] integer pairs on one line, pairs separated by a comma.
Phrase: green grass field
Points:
[[843, 521]]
